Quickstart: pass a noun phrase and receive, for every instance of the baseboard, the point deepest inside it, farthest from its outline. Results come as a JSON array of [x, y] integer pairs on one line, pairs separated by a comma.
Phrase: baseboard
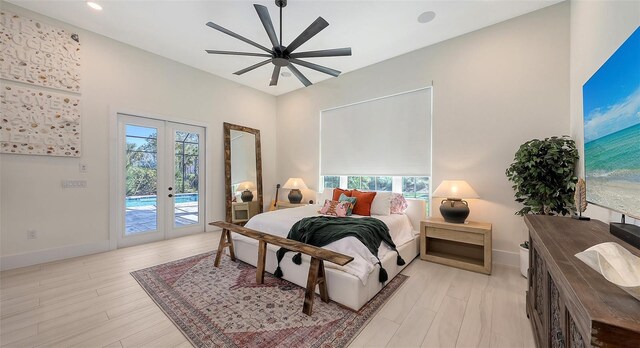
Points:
[[54, 254], [508, 258], [41, 256]]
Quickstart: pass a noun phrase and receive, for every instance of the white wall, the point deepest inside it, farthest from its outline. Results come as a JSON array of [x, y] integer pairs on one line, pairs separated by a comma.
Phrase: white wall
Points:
[[494, 89], [598, 28], [121, 76]]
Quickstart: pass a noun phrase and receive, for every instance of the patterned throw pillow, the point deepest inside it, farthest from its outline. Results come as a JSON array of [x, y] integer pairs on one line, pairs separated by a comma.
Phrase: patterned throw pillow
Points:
[[335, 208], [352, 200], [398, 203]]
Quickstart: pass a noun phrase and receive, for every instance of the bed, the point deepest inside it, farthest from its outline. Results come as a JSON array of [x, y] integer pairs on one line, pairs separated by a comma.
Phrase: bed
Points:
[[354, 284]]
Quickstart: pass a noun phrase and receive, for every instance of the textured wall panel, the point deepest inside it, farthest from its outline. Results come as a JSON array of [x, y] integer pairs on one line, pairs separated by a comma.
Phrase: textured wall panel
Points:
[[39, 122], [38, 54]]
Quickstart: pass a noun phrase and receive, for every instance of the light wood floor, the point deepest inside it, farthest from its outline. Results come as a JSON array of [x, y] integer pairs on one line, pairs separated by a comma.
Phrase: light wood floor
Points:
[[92, 301]]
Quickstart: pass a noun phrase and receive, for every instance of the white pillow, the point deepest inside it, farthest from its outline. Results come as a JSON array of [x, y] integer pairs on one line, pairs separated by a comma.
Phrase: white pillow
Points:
[[381, 204], [324, 195]]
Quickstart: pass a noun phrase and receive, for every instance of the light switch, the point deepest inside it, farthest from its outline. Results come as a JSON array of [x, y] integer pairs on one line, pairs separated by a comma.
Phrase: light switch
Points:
[[83, 167]]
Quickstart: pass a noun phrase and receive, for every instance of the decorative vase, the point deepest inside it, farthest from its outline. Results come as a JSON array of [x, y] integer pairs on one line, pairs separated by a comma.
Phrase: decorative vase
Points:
[[454, 210], [295, 196], [524, 261], [246, 196]]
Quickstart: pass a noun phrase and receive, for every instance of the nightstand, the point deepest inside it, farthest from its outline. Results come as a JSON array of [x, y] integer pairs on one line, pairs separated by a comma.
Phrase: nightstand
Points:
[[466, 246], [286, 205], [243, 211]]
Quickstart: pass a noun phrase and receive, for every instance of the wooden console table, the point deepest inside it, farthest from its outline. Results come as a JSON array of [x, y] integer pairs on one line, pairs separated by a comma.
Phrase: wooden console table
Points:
[[316, 267], [569, 304]]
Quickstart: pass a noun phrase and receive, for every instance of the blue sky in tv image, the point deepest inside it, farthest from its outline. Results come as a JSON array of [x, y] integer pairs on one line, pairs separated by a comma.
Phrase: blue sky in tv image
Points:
[[611, 101], [611, 97]]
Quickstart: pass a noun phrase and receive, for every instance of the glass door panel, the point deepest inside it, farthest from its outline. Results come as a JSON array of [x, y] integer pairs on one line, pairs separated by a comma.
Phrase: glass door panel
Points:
[[186, 174], [141, 179], [186, 190]]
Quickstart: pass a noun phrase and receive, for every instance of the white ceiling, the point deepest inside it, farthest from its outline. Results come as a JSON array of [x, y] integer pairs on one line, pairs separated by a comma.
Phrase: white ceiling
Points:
[[376, 30]]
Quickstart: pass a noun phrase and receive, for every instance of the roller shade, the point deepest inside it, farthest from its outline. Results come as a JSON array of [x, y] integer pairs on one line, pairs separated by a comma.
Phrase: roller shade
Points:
[[389, 136]]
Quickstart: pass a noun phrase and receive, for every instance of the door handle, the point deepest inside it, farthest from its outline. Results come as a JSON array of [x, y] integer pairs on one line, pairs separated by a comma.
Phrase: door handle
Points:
[[170, 195]]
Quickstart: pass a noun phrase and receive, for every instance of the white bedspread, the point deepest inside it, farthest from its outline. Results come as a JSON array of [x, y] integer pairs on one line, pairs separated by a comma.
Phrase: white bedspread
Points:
[[279, 223]]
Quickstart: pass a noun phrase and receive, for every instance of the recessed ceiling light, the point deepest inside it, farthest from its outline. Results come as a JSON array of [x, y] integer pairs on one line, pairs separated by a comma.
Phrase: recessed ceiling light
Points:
[[285, 74], [94, 6], [426, 17]]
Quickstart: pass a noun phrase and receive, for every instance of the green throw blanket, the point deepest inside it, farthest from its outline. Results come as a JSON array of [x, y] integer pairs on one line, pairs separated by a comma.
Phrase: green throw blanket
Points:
[[322, 230]]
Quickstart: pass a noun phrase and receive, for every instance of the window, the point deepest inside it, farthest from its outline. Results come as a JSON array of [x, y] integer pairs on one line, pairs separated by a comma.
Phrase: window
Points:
[[410, 186], [415, 187], [369, 183], [331, 181], [354, 182]]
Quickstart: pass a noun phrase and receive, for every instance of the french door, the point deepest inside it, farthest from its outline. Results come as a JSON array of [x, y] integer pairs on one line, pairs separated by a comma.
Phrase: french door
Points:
[[160, 179]]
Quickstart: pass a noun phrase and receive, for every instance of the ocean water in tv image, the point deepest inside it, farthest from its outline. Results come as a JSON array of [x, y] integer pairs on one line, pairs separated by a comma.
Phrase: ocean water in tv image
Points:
[[611, 100], [613, 170]]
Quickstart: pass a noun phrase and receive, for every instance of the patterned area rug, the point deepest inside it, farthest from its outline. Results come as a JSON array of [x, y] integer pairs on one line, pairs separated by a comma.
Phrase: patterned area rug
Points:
[[224, 307]]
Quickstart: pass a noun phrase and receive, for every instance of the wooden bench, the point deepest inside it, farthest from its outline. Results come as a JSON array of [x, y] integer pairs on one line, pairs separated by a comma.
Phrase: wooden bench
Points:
[[316, 268]]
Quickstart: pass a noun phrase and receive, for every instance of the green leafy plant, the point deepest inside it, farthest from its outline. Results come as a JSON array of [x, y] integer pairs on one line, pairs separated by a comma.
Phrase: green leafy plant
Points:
[[543, 176]]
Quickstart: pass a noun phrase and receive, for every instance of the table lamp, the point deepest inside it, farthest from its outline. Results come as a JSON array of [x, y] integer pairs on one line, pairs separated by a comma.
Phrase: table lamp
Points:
[[246, 187], [295, 184], [454, 209]]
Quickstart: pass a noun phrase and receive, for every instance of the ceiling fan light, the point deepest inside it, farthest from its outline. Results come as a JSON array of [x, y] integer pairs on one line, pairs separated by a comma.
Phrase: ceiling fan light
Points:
[[280, 55]]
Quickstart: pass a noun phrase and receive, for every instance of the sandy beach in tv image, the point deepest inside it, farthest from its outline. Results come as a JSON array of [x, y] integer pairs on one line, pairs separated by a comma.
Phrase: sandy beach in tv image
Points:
[[611, 100]]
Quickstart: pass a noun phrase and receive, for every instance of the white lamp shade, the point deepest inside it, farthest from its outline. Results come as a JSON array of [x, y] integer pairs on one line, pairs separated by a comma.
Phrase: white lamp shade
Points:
[[455, 189], [246, 185], [295, 183]]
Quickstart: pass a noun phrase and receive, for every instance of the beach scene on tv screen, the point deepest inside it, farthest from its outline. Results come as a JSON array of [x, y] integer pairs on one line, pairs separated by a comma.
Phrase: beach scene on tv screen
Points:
[[611, 101]]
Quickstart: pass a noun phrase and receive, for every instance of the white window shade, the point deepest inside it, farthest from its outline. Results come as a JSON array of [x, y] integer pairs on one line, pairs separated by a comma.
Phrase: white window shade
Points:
[[390, 136]]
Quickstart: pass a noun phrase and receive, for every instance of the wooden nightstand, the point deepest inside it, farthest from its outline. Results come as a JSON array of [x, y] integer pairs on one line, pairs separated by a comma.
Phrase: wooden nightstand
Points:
[[286, 205], [466, 246], [243, 211]]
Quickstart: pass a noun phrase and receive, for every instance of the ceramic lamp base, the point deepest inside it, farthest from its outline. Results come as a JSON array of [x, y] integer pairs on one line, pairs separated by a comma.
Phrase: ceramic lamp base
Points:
[[454, 210], [295, 196], [246, 196]]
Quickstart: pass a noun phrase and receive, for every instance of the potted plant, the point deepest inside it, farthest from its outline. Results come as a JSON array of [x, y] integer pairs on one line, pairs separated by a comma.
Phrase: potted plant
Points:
[[543, 177]]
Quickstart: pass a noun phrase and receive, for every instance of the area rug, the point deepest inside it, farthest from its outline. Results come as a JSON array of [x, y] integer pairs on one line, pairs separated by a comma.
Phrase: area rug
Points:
[[224, 307]]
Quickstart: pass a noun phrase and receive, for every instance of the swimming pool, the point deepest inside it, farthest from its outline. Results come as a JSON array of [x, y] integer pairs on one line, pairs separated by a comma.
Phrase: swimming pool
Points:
[[141, 201]]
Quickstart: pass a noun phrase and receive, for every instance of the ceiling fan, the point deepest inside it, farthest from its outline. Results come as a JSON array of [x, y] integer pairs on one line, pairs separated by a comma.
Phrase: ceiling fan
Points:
[[284, 56]]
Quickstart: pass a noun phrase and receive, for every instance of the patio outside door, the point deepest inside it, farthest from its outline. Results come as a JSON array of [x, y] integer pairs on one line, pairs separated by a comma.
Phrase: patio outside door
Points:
[[160, 180]]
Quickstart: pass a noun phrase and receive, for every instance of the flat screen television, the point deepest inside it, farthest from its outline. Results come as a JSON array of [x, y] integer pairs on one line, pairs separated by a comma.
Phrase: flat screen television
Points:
[[611, 101]]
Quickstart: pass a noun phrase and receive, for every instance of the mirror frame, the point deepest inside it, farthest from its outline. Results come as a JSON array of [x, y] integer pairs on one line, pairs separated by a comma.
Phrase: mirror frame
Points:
[[228, 127]]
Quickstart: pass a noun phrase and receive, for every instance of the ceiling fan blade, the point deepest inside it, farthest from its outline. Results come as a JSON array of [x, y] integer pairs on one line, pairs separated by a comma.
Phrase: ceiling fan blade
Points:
[[334, 52], [299, 75], [316, 67], [239, 37], [238, 53], [275, 75], [263, 13], [240, 72], [308, 33]]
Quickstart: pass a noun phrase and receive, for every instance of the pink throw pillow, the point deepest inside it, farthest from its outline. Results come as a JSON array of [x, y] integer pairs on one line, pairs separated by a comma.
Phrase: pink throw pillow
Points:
[[398, 203], [335, 208]]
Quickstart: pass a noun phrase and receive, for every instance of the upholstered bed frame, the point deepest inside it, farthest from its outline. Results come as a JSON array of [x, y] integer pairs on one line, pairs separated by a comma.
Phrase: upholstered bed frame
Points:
[[343, 287]]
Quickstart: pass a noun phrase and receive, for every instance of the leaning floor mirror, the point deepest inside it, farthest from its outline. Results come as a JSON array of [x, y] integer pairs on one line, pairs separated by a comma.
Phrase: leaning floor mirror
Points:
[[243, 173]]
